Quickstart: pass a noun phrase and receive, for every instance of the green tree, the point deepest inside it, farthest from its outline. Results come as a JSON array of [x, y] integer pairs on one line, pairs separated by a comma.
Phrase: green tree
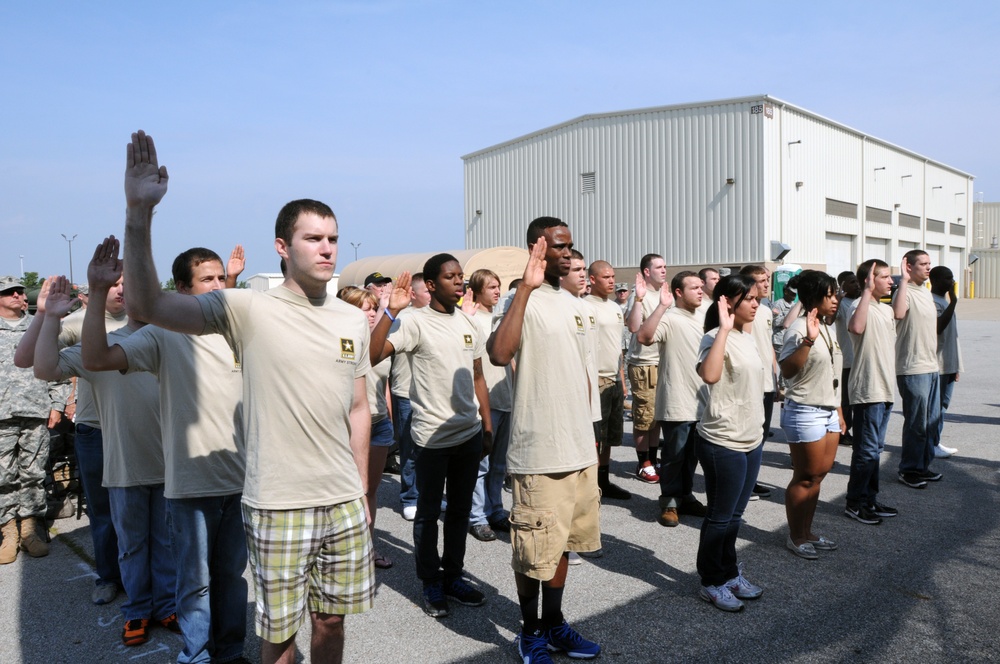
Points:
[[31, 281]]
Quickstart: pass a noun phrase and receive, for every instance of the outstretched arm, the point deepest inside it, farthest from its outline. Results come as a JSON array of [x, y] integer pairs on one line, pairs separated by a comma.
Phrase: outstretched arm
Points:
[[59, 303], [235, 266], [399, 299], [899, 304], [633, 319], [24, 355], [711, 369], [859, 319], [506, 339], [648, 328], [102, 274], [145, 186], [949, 312]]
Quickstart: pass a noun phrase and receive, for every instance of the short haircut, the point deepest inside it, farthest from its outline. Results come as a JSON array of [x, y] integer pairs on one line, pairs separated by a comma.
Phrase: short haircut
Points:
[[677, 283], [537, 228], [814, 285], [417, 276], [573, 253], [868, 266], [912, 255], [842, 277], [480, 279], [183, 268], [736, 288], [752, 270], [358, 296], [941, 274], [597, 266], [284, 226], [514, 284], [432, 268], [647, 260], [703, 272]]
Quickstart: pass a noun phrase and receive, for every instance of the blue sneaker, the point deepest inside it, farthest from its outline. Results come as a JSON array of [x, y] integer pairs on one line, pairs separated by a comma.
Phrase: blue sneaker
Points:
[[435, 603], [566, 639], [533, 647], [463, 593]]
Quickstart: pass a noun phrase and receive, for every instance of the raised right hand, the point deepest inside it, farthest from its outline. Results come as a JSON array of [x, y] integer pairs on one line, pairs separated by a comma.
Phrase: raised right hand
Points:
[[60, 301], [43, 294], [145, 179], [399, 297], [534, 271], [105, 267], [726, 317], [640, 286]]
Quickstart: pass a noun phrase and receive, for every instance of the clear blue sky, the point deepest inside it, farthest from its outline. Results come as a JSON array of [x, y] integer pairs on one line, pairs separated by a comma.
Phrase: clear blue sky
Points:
[[369, 106]]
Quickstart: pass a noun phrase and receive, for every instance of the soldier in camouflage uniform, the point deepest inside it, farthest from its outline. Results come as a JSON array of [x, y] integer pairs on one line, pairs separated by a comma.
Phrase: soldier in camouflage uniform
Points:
[[24, 436]]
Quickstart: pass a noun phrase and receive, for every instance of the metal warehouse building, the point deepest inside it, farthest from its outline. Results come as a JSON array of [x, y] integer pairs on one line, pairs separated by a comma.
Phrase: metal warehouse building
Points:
[[721, 183]]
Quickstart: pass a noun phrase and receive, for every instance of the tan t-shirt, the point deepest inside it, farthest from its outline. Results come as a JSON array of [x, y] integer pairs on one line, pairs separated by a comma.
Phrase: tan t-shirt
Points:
[[639, 355], [376, 381], [763, 323], [400, 375], [201, 409], [813, 385], [442, 348], [844, 311], [734, 412], [69, 335], [610, 326], [706, 302], [551, 426], [948, 350], [916, 334], [128, 410], [497, 378], [678, 337], [873, 376], [590, 320], [300, 357]]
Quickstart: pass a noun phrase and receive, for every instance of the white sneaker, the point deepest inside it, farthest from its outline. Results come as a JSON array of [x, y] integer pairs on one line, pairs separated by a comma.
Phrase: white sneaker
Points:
[[410, 512], [943, 452], [574, 558]]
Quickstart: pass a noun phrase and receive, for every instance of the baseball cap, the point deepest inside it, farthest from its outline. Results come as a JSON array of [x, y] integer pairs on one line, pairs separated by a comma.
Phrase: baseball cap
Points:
[[377, 278], [10, 283], [621, 287]]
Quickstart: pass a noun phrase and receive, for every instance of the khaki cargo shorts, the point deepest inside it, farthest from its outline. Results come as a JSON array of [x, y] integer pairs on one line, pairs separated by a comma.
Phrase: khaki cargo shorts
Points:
[[642, 381]]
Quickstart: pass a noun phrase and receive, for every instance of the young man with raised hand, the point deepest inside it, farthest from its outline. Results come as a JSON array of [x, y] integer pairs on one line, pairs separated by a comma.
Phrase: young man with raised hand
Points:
[[201, 394], [306, 420], [761, 328], [552, 459], [948, 351], [873, 335], [917, 374], [641, 363], [677, 328]]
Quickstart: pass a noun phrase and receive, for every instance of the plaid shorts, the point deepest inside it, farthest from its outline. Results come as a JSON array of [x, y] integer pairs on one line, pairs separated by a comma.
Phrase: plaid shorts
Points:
[[325, 550]]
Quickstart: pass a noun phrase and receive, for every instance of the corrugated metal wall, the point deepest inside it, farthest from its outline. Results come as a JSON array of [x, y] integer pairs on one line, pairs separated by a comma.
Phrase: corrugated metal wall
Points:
[[986, 273], [985, 224]]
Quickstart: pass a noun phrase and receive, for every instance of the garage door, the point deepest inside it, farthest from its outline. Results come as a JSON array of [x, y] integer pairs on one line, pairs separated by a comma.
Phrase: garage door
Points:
[[839, 253], [876, 247]]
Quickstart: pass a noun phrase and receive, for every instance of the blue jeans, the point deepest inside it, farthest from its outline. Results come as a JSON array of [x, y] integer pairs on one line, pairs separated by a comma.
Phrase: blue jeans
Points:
[[947, 387], [871, 421], [148, 574], [210, 552], [89, 446], [921, 396], [457, 465], [678, 460], [729, 480], [402, 417], [487, 499]]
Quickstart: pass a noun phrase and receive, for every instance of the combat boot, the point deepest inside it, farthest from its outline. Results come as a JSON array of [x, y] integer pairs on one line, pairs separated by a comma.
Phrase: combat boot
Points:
[[33, 539], [11, 540]]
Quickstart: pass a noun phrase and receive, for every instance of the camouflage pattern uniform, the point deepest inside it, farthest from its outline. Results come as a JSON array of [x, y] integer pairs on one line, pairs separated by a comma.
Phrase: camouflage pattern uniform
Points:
[[24, 434]]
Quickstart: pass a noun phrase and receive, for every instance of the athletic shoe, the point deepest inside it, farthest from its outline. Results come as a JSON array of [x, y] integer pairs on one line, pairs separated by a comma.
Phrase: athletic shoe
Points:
[[930, 476], [410, 512], [884, 511], [463, 593], [104, 593], [761, 491], [669, 518], [597, 553], [913, 480], [135, 632], [804, 550], [693, 508], [862, 515], [533, 647], [612, 491], [566, 639], [721, 596], [501, 525], [647, 474], [435, 603], [942, 452], [482, 532], [574, 558], [741, 588], [170, 622], [823, 543]]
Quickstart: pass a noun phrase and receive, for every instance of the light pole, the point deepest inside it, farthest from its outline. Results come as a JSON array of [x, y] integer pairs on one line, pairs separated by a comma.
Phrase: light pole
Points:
[[69, 240], [356, 249], [22, 266]]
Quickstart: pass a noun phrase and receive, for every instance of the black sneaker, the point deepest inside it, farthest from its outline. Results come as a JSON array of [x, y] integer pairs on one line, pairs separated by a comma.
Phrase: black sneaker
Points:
[[463, 593], [613, 492], [930, 476], [862, 515], [913, 480], [884, 511], [760, 491], [435, 603]]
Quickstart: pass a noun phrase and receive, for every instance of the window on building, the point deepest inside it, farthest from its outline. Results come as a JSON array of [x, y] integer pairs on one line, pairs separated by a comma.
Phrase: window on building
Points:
[[909, 220], [841, 209], [879, 215]]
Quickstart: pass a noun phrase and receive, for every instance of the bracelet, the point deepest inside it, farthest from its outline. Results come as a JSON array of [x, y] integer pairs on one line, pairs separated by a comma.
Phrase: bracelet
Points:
[[388, 315], [806, 341], [638, 299]]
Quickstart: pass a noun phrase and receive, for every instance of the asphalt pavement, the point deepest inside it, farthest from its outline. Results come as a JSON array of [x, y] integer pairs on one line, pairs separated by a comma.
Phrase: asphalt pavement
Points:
[[920, 587]]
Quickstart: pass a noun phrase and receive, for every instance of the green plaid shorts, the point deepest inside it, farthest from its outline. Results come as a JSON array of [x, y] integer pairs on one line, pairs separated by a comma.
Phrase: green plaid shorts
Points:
[[325, 550]]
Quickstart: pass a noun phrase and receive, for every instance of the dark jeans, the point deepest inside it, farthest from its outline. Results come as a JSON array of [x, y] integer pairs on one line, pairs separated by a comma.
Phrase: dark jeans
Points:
[[768, 410], [845, 401], [459, 467], [947, 387], [678, 460], [89, 444], [402, 415], [921, 396], [871, 420], [729, 480]]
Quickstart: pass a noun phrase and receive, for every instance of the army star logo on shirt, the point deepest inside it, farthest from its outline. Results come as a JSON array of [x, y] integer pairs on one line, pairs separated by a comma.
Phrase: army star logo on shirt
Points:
[[347, 349], [579, 323], [468, 340]]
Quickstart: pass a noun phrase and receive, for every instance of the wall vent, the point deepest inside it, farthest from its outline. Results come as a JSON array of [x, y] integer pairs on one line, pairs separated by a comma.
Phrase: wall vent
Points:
[[879, 215], [909, 220], [841, 209], [587, 183]]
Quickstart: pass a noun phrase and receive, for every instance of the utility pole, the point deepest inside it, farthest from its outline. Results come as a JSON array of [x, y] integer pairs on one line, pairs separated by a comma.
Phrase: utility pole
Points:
[[22, 266], [69, 240], [356, 249]]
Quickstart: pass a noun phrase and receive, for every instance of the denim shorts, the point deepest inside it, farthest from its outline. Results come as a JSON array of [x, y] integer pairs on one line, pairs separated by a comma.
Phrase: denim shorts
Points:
[[807, 424], [382, 435]]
